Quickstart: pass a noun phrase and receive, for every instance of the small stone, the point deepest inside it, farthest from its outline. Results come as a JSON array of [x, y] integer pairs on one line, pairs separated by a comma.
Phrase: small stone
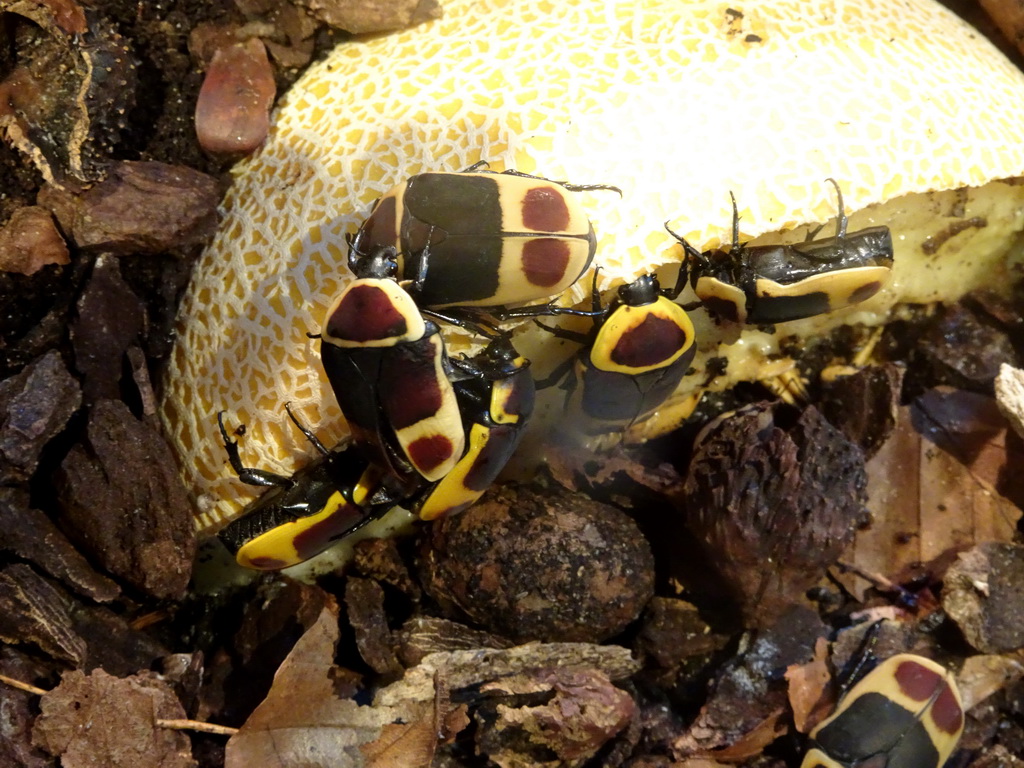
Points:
[[1010, 396], [363, 16], [540, 565], [35, 406], [983, 592], [233, 109], [141, 207]]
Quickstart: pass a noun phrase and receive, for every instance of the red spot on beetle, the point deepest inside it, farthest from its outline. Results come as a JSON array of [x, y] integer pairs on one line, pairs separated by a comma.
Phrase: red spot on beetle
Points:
[[316, 537], [545, 210], [865, 291], [428, 453], [946, 711], [917, 681], [410, 390], [653, 341], [545, 261], [366, 313]]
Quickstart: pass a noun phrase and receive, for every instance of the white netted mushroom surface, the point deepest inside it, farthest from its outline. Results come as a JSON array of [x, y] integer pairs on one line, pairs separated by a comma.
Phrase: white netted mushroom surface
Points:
[[676, 103]]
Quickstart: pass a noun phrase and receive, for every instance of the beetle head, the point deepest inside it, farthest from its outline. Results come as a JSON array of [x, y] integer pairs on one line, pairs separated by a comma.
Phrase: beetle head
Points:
[[381, 262], [643, 290]]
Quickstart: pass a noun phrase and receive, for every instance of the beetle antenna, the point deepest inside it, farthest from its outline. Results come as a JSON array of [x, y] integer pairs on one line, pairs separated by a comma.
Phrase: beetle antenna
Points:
[[841, 216]]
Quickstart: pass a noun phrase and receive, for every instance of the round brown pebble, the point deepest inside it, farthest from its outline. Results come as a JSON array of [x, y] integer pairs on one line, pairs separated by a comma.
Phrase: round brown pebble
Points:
[[540, 565]]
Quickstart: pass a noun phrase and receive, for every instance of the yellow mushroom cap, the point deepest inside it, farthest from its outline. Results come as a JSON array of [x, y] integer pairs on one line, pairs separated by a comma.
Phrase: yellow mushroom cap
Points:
[[675, 103]]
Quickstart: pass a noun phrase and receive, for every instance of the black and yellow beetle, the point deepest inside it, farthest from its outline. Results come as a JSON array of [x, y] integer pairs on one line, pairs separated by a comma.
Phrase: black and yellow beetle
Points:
[[480, 238], [640, 347], [390, 373], [765, 284], [302, 515], [496, 399], [905, 713], [339, 491]]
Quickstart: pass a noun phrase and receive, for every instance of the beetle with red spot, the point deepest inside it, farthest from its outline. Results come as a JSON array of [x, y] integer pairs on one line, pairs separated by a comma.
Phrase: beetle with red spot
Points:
[[638, 351], [905, 712], [496, 397], [480, 238], [389, 371]]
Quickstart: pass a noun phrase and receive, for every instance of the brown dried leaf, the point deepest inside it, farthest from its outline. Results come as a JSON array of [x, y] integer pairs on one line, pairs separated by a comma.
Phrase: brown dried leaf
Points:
[[30, 241], [364, 603], [403, 745], [808, 686], [101, 721], [302, 722], [756, 739], [927, 505]]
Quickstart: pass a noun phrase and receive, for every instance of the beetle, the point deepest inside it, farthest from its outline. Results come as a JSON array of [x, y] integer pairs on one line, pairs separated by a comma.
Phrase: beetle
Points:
[[496, 400], [339, 492], [906, 712], [765, 284], [638, 350], [300, 516], [480, 238], [389, 370]]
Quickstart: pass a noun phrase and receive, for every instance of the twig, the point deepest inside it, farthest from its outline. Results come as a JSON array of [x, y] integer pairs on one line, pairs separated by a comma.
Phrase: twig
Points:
[[22, 686], [197, 725]]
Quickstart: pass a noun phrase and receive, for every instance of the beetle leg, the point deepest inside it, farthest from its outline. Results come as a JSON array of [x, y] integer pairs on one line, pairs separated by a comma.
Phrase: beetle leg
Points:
[[841, 216], [561, 371], [811, 234], [566, 184], [248, 475], [474, 166], [305, 430], [565, 333], [540, 310], [684, 272], [458, 318], [589, 187]]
